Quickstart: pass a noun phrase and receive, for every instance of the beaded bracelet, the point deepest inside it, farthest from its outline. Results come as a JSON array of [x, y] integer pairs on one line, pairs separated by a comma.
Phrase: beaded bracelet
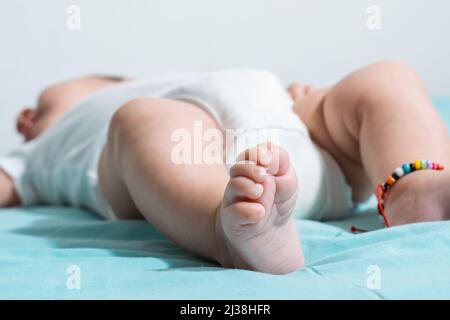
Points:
[[400, 172]]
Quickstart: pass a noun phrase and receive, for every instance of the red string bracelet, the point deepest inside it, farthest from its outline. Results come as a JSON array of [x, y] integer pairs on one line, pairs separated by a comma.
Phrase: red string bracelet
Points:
[[400, 172]]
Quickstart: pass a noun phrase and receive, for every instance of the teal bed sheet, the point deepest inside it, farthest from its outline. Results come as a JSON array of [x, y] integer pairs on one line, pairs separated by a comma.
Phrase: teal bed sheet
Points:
[[67, 253]]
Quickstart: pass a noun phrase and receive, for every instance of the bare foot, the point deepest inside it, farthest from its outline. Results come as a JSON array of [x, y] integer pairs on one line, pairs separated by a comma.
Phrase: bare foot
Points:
[[421, 196], [254, 218], [298, 91]]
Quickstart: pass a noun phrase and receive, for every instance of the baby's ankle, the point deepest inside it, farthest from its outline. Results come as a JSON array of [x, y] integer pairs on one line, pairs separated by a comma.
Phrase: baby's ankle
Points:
[[421, 196]]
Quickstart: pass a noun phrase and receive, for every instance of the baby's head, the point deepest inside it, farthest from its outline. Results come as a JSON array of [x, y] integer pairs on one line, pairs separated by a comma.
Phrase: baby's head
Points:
[[55, 101]]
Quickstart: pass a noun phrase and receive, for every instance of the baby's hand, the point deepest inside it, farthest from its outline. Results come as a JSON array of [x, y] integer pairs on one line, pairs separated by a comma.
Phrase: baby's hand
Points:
[[298, 91]]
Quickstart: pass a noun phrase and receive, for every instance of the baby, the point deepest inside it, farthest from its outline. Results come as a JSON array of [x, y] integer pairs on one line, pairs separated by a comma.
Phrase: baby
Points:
[[113, 146]]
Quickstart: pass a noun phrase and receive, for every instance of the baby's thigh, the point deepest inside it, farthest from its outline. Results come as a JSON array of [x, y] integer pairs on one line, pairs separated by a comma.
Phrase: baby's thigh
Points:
[[139, 167]]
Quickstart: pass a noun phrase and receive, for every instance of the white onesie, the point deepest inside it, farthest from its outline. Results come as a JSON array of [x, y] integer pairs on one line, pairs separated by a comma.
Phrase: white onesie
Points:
[[60, 166]]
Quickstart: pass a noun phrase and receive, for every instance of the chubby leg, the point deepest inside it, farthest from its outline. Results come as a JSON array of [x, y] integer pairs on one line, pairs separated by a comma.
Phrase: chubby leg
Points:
[[376, 119], [8, 194], [139, 178], [241, 222]]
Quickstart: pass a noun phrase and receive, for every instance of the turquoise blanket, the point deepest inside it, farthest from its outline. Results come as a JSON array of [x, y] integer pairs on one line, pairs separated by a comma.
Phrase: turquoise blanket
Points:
[[66, 253]]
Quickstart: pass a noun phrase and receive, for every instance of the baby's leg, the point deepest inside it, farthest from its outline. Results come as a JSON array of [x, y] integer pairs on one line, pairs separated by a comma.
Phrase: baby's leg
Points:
[[375, 120], [242, 222], [8, 194], [139, 178]]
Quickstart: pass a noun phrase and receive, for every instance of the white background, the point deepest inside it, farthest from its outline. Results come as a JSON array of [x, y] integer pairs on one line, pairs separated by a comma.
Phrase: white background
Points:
[[315, 41]]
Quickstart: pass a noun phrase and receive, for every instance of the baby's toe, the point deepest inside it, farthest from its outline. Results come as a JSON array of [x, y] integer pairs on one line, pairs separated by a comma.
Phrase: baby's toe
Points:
[[250, 170], [286, 185], [245, 213], [270, 156], [259, 154], [242, 188]]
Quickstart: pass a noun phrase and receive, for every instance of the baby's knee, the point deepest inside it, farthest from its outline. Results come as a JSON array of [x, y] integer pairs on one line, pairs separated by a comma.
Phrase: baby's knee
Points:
[[133, 115], [387, 74], [383, 80], [136, 111]]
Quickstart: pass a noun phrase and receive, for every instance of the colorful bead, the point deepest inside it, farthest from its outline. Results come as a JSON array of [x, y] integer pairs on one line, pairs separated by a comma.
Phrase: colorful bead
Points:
[[417, 164], [399, 172], [406, 168], [424, 164], [390, 181]]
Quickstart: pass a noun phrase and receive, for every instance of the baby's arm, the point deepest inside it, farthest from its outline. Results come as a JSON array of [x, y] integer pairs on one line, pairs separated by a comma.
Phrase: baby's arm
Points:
[[8, 194]]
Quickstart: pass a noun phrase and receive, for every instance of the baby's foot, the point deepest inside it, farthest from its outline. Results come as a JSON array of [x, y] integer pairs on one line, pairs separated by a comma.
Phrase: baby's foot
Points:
[[298, 91], [254, 219], [421, 196]]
